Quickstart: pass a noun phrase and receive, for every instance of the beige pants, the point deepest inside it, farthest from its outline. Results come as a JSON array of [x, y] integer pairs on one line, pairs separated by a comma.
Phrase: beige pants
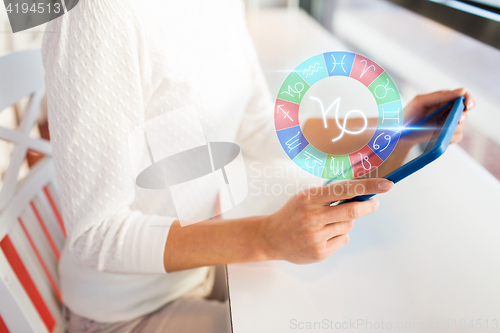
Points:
[[194, 312]]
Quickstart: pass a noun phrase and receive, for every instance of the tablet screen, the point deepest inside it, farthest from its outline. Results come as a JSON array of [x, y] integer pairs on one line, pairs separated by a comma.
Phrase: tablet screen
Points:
[[415, 140]]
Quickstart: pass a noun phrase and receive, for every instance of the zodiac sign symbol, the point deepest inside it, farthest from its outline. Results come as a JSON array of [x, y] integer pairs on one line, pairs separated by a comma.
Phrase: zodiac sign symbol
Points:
[[385, 90], [385, 112], [336, 103], [289, 144], [340, 171], [366, 69], [312, 69], [315, 160], [280, 108], [296, 90], [377, 146], [363, 159], [335, 63]]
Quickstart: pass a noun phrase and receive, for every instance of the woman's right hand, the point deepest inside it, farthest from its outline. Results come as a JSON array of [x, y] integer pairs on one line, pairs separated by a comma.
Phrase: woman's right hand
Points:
[[307, 230]]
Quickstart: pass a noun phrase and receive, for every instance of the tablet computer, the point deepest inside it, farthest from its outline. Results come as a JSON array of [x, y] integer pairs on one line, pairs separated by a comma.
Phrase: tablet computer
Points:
[[431, 137]]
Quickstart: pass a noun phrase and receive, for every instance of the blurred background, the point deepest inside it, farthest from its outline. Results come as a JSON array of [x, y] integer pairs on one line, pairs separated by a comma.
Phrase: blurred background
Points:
[[425, 45], [10, 117]]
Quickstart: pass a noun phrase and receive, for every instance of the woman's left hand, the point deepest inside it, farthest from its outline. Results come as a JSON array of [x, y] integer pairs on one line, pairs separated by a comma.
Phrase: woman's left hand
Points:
[[423, 105]]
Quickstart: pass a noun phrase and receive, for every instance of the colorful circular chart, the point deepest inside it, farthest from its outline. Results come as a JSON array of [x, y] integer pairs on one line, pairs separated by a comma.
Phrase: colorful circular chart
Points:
[[381, 88]]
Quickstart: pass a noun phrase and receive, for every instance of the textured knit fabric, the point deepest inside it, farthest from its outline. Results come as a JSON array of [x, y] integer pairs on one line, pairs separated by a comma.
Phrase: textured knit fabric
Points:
[[110, 66]]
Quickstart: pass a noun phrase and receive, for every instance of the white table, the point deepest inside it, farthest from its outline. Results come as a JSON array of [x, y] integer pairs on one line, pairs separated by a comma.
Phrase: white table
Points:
[[429, 256]]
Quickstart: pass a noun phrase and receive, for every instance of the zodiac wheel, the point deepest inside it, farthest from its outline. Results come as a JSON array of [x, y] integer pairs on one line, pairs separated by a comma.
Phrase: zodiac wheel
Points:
[[383, 94]]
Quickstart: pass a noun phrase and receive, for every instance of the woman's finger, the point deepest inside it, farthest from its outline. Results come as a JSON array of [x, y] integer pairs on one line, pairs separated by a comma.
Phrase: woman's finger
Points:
[[338, 228], [349, 189], [470, 101], [456, 138], [336, 243], [462, 123], [350, 210]]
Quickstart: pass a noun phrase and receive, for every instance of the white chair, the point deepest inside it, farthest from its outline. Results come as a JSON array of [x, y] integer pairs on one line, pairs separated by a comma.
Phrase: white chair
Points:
[[31, 228]]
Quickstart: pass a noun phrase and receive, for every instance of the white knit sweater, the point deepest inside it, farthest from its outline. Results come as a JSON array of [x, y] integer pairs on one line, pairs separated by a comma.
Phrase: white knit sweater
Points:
[[110, 66]]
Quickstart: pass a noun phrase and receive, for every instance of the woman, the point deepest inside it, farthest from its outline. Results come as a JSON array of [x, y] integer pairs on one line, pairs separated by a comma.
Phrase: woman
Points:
[[127, 264]]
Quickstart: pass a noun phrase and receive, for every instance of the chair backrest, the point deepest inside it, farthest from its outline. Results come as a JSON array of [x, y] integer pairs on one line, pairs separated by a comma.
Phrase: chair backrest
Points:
[[31, 227]]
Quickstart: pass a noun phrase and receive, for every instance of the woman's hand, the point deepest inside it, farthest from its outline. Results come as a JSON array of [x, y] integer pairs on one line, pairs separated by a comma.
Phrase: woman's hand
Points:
[[306, 229], [423, 105]]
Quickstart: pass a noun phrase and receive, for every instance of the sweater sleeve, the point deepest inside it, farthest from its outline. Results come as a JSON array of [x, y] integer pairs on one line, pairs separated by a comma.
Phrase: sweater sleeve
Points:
[[96, 82]]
